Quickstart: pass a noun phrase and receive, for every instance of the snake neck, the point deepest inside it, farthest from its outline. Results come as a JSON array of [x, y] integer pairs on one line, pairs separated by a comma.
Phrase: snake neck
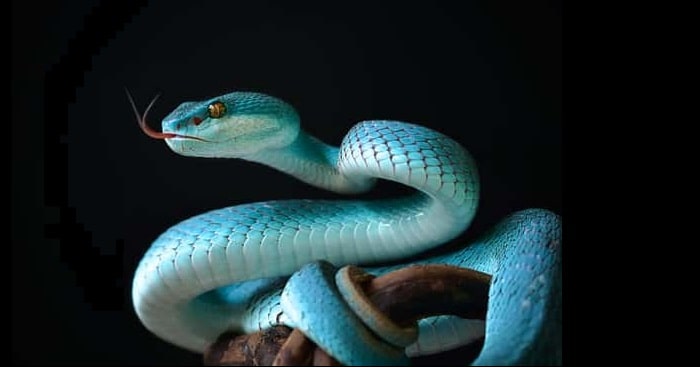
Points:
[[312, 161]]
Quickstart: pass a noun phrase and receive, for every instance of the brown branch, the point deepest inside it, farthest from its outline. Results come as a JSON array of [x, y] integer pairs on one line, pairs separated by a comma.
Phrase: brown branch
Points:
[[404, 296]]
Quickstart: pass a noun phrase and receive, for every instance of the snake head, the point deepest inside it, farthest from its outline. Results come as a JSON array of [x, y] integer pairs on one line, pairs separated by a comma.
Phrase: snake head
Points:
[[233, 125]]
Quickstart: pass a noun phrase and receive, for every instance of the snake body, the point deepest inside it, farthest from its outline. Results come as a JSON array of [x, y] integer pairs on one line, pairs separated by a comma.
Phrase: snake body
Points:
[[226, 269]]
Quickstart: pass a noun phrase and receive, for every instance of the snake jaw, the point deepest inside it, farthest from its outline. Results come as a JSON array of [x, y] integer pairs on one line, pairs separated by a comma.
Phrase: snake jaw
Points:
[[185, 137], [150, 132]]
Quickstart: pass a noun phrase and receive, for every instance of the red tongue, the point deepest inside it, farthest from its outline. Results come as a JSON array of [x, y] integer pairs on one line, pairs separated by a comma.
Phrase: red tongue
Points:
[[142, 119]]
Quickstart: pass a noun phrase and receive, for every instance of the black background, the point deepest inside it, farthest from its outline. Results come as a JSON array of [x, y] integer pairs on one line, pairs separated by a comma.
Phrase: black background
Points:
[[488, 75]]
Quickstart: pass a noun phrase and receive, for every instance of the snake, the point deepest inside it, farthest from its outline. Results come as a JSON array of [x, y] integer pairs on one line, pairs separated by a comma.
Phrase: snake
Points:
[[252, 266]]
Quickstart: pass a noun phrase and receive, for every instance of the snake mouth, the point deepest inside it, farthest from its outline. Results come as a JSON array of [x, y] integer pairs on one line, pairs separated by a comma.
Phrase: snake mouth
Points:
[[173, 136], [153, 133]]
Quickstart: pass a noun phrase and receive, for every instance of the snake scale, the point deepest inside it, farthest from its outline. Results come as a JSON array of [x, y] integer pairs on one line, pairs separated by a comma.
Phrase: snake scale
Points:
[[227, 269]]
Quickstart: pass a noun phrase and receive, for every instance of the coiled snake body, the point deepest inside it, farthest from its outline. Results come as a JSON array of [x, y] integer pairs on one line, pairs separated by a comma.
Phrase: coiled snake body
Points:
[[225, 269]]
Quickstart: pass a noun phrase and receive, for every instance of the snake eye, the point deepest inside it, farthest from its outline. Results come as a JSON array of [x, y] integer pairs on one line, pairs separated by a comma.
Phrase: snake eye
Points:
[[216, 109]]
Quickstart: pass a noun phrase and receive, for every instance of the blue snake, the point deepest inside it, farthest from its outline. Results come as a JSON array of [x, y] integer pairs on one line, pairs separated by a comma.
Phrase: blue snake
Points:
[[229, 269]]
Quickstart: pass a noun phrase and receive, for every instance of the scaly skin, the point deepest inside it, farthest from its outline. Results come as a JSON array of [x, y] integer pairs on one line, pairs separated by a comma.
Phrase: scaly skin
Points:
[[226, 269]]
